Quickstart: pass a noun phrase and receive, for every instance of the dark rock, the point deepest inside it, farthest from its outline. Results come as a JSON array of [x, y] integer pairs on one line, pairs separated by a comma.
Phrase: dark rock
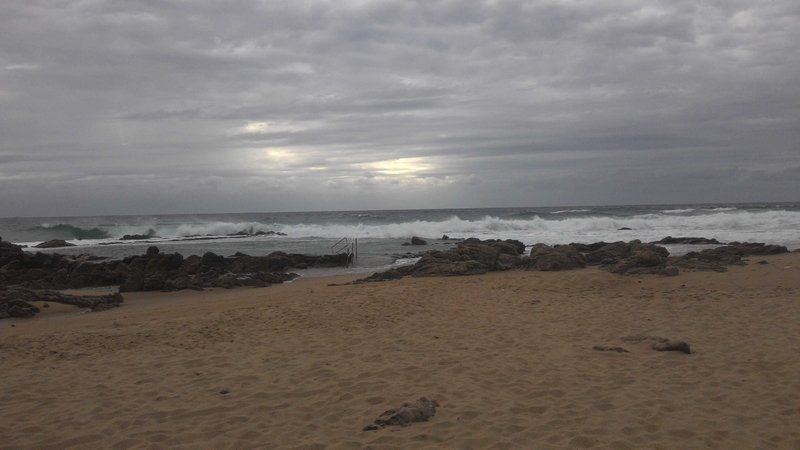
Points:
[[623, 229], [420, 410], [637, 259], [660, 344], [763, 261], [16, 301], [669, 271], [17, 309], [54, 243], [669, 240], [469, 257], [138, 237], [560, 257], [445, 237], [418, 241], [717, 258], [605, 348], [672, 346]]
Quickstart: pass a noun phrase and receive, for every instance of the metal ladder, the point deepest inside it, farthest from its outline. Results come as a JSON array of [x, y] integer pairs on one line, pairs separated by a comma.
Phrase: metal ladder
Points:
[[348, 246]]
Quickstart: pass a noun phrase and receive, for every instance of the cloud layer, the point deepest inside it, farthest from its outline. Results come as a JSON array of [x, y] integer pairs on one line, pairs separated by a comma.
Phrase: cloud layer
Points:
[[135, 107]]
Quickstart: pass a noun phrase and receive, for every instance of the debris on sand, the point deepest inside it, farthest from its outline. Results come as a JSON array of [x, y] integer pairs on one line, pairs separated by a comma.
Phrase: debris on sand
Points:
[[419, 411]]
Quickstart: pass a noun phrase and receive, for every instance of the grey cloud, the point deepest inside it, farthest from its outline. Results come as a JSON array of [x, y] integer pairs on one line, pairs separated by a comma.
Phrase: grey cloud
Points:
[[132, 107]]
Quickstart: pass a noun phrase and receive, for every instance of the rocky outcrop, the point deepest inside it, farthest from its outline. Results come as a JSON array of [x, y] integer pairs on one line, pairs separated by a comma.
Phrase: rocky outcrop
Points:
[[473, 256], [251, 232], [18, 302], [420, 410], [54, 243], [639, 259], [632, 257], [560, 257], [716, 259], [669, 240], [469, 257], [138, 237], [153, 270], [416, 240]]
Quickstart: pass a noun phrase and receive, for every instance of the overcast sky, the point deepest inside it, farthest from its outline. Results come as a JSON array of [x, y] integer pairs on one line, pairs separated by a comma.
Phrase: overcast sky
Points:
[[205, 106]]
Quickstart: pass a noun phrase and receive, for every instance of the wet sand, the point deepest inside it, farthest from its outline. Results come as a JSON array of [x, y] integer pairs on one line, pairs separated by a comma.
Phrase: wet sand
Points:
[[509, 357]]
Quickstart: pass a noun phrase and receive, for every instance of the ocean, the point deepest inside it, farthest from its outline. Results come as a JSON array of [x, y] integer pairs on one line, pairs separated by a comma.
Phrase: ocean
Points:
[[380, 234]]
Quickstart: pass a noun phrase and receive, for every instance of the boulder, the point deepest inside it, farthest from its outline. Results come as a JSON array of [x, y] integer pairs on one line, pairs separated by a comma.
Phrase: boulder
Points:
[[560, 257], [138, 237], [54, 243], [415, 240]]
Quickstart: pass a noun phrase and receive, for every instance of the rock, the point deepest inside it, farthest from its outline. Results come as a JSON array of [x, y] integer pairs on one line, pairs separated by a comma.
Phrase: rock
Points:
[[660, 344], [672, 346], [418, 241], [717, 258], [624, 229], [669, 271], [54, 243], [641, 259], [16, 301], [445, 237], [138, 237], [605, 348], [469, 257], [669, 240], [17, 309], [419, 411], [763, 261], [560, 257]]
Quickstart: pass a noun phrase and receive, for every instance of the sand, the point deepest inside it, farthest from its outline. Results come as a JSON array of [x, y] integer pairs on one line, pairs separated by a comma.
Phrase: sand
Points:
[[509, 357]]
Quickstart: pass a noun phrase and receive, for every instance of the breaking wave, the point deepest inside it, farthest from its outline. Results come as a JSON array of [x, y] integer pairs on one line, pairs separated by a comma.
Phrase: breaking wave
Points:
[[725, 224], [67, 231], [768, 226]]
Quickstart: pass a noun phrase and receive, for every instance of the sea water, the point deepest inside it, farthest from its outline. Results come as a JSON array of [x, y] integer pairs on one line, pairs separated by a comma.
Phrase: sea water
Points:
[[381, 234]]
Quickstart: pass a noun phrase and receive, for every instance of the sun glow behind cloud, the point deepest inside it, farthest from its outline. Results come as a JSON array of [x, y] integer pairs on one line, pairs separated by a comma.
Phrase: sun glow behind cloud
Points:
[[408, 167]]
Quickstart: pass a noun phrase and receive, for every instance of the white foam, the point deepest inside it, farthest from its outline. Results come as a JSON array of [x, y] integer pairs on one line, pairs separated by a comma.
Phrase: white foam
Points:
[[677, 211], [724, 224], [780, 227], [570, 211]]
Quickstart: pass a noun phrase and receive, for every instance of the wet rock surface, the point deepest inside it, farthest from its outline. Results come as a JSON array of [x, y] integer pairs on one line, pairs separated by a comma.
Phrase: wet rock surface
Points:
[[17, 301], [420, 410], [154, 270], [54, 243], [474, 256], [716, 259], [669, 240]]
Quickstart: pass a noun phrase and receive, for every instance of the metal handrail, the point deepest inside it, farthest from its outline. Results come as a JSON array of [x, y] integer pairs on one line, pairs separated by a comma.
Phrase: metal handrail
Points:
[[348, 246]]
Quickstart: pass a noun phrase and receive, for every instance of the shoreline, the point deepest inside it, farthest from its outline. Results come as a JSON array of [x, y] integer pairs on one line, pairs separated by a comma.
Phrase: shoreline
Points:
[[507, 355]]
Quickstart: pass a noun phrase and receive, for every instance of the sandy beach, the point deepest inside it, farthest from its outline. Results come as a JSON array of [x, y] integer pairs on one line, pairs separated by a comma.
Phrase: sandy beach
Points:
[[508, 355]]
